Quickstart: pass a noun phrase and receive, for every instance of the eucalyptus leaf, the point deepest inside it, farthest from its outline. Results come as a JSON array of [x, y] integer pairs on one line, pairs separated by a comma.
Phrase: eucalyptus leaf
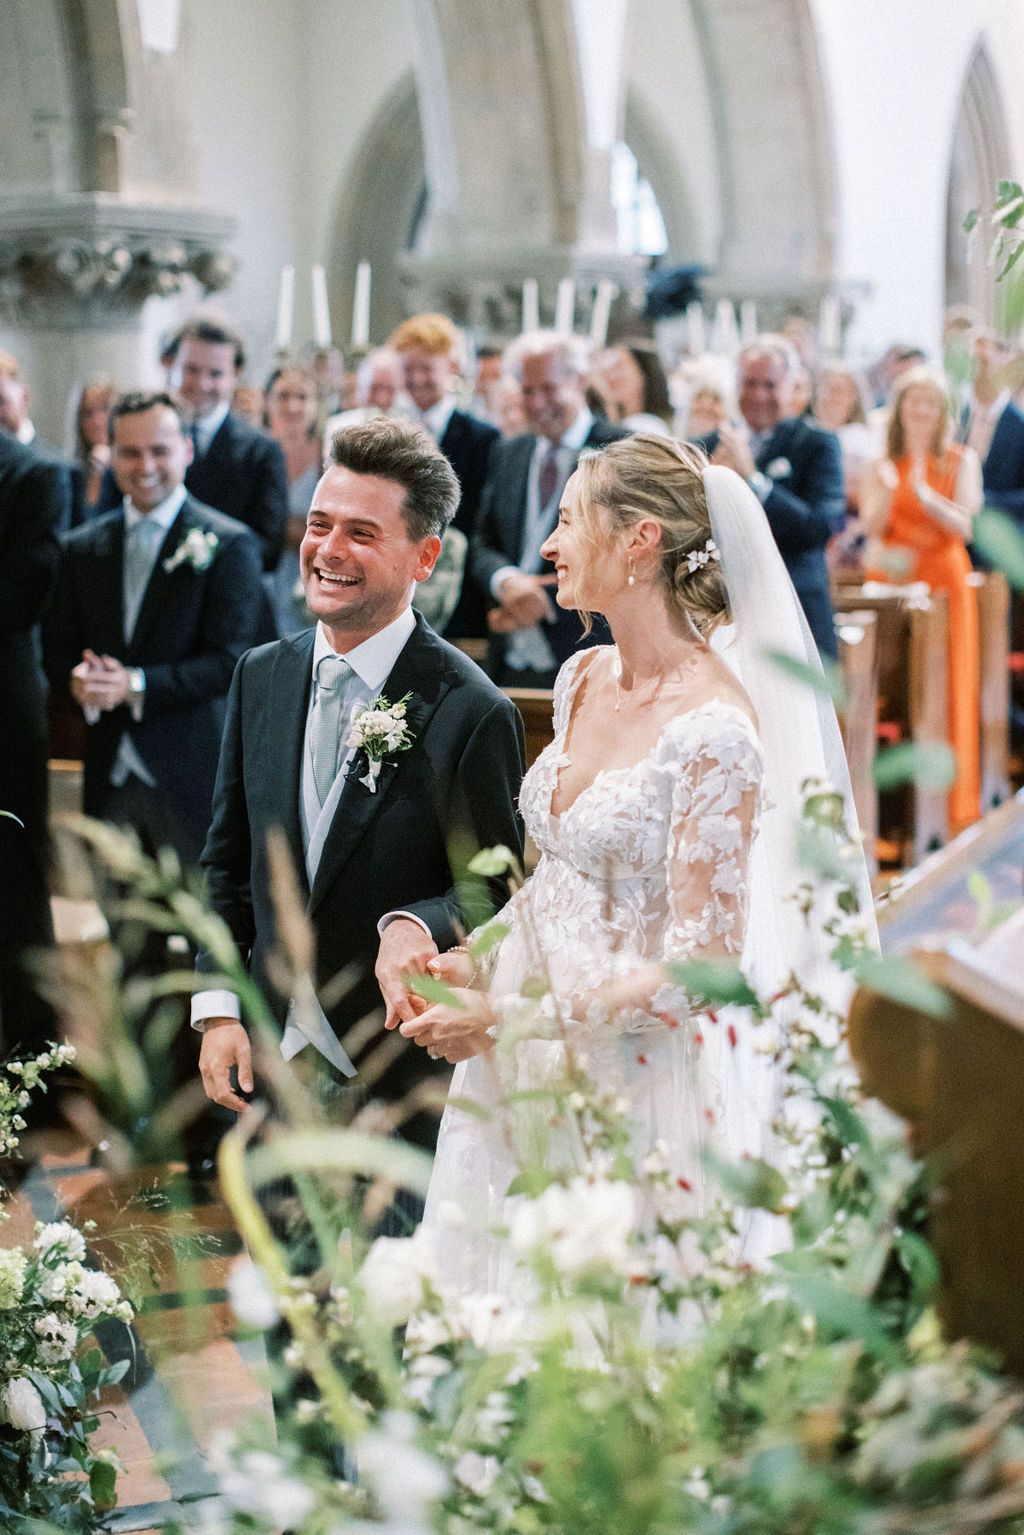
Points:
[[828, 681], [492, 861], [432, 990], [715, 981], [1001, 542], [929, 764], [1010, 262], [898, 978], [839, 1311], [753, 1183]]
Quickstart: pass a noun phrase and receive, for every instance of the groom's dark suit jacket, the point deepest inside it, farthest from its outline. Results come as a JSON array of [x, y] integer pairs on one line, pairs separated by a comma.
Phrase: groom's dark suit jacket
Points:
[[191, 629], [806, 505], [404, 847], [498, 540]]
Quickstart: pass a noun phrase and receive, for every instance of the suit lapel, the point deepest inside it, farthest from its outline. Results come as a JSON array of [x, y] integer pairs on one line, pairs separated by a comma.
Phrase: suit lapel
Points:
[[419, 670], [778, 443], [290, 683]]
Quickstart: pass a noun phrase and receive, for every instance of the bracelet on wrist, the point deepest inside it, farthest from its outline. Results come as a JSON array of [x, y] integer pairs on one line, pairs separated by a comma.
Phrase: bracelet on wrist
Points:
[[477, 970]]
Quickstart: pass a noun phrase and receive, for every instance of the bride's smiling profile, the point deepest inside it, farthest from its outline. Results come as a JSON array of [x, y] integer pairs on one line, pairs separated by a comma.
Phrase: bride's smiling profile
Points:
[[664, 813]]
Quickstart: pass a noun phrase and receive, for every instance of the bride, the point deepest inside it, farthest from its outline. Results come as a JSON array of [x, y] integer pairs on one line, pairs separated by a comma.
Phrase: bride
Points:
[[664, 811]]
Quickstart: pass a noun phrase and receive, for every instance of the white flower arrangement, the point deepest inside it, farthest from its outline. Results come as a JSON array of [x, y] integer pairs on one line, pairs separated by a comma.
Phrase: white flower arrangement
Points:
[[197, 549], [376, 730]]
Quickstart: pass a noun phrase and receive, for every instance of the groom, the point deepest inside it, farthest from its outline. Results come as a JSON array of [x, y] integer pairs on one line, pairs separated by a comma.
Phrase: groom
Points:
[[378, 862]]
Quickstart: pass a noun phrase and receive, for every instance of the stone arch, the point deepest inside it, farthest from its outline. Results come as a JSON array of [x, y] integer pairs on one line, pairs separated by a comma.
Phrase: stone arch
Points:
[[645, 137], [774, 144], [979, 158], [378, 208]]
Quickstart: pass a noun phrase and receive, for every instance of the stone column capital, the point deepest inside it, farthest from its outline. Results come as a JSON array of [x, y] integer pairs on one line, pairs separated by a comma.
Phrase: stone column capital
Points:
[[88, 260]]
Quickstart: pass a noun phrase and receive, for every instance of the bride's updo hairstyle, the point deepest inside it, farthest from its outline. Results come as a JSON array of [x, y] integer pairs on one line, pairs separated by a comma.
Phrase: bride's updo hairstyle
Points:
[[657, 479]]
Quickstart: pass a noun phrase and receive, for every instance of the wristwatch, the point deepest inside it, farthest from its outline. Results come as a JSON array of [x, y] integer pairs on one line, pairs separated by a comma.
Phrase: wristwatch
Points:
[[136, 691]]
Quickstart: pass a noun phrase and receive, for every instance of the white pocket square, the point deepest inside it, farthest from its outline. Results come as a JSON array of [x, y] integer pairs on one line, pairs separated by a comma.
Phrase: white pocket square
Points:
[[779, 468]]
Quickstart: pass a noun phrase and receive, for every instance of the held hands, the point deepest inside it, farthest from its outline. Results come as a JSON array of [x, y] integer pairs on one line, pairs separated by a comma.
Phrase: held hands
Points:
[[453, 1033], [733, 451], [225, 1044], [524, 602], [99, 682], [405, 949]]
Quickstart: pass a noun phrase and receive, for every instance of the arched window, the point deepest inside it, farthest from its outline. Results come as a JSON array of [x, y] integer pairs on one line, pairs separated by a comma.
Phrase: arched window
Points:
[[641, 228], [980, 158]]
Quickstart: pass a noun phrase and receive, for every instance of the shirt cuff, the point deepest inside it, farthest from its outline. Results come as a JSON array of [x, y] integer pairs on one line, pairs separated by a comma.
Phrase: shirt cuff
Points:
[[213, 1004], [499, 577], [385, 921], [761, 485]]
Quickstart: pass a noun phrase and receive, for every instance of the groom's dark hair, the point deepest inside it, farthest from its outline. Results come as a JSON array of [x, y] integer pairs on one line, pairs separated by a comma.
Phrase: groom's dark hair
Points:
[[404, 453]]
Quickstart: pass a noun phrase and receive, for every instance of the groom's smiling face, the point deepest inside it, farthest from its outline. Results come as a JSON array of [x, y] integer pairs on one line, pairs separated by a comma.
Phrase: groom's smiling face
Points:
[[359, 564]]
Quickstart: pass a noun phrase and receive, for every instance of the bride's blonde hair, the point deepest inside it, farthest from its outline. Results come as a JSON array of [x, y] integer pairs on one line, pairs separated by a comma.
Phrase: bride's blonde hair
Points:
[[657, 479]]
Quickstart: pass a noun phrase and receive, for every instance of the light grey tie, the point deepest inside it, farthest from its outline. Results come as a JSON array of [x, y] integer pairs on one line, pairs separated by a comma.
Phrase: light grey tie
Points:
[[332, 674], [141, 544]]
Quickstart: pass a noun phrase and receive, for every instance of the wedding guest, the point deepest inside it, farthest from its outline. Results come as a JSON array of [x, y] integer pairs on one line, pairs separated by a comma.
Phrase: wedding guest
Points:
[[841, 405], [15, 419], [155, 603], [290, 418], [429, 348], [993, 426], [519, 508], [34, 499], [487, 383], [795, 470], [706, 396], [508, 398], [919, 502], [92, 438], [248, 404], [632, 379], [377, 393]]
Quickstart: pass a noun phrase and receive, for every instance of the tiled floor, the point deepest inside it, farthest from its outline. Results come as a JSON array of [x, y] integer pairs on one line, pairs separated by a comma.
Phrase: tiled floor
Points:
[[187, 1375]]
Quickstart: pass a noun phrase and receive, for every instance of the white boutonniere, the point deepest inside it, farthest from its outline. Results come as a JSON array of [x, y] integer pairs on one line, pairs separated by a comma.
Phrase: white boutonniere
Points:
[[779, 469], [376, 730], [196, 549]]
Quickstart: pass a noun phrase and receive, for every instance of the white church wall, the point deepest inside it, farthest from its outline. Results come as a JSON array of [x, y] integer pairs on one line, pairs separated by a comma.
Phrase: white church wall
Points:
[[894, 75]]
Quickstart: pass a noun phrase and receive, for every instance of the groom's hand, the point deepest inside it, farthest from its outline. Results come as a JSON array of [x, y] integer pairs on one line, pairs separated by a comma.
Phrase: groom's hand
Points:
[[225, 1044], [405, 949]]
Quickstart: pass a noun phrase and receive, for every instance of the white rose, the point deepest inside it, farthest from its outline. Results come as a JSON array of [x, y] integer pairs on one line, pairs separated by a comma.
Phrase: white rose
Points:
[[94, 1295], [60, 1235], [251, 1297], [580, 1224], [21, 1405], [393, 1274], [477, 1472]]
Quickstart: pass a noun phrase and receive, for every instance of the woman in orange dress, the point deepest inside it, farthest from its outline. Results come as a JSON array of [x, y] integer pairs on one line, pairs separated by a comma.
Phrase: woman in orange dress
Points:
[[920, 501]]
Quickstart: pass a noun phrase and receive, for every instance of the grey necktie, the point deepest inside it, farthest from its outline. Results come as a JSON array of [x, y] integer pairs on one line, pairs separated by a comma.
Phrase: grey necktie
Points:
[[141, 544], [332, 674]]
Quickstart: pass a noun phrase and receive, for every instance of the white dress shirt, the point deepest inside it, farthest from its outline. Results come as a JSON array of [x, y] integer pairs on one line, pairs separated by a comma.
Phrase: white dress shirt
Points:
[[436, 419], [205, 428], [128, 759], [528, 648], [371, 664]]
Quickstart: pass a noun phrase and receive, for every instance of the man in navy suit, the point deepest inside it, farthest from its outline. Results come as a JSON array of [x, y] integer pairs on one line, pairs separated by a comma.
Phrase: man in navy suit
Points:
[[794, 469], [428, 347], [155, 603], [994, 427], [380, 865], [33, 504], [531, 637]]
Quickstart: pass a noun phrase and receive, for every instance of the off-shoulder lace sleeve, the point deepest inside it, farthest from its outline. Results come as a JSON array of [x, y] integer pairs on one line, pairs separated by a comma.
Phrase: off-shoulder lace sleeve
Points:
[[715, 806]]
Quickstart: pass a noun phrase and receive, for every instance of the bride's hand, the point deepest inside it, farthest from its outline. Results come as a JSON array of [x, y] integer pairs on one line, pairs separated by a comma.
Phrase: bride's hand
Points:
[[454, 1033], [455, 968]]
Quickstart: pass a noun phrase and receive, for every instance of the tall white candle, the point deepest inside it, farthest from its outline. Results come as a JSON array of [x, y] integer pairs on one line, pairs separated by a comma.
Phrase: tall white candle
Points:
[[361, 306], [748, 322], [321, 309], [830, 327], [285, 308], [696, 333], [565, 306], [725, 335], [531, 304], [606, 291]]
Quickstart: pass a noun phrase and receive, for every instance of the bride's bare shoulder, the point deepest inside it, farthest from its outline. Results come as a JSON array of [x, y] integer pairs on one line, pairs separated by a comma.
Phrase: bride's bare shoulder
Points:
[[714, 682]]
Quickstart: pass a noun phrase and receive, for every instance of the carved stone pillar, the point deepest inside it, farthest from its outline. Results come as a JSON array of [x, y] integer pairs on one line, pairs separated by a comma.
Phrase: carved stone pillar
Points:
[[75, 272]]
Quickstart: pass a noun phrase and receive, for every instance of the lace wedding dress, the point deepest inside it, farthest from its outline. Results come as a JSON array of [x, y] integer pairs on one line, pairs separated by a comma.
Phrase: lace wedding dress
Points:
[[649, 863]]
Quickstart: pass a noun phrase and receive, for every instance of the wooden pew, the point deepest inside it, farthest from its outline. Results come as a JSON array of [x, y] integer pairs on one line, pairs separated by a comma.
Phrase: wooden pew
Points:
[[536, 706], [959, 1081]]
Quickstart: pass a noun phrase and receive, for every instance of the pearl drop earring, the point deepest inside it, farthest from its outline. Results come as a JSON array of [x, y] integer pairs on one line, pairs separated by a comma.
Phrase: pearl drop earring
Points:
[[632, 578]]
